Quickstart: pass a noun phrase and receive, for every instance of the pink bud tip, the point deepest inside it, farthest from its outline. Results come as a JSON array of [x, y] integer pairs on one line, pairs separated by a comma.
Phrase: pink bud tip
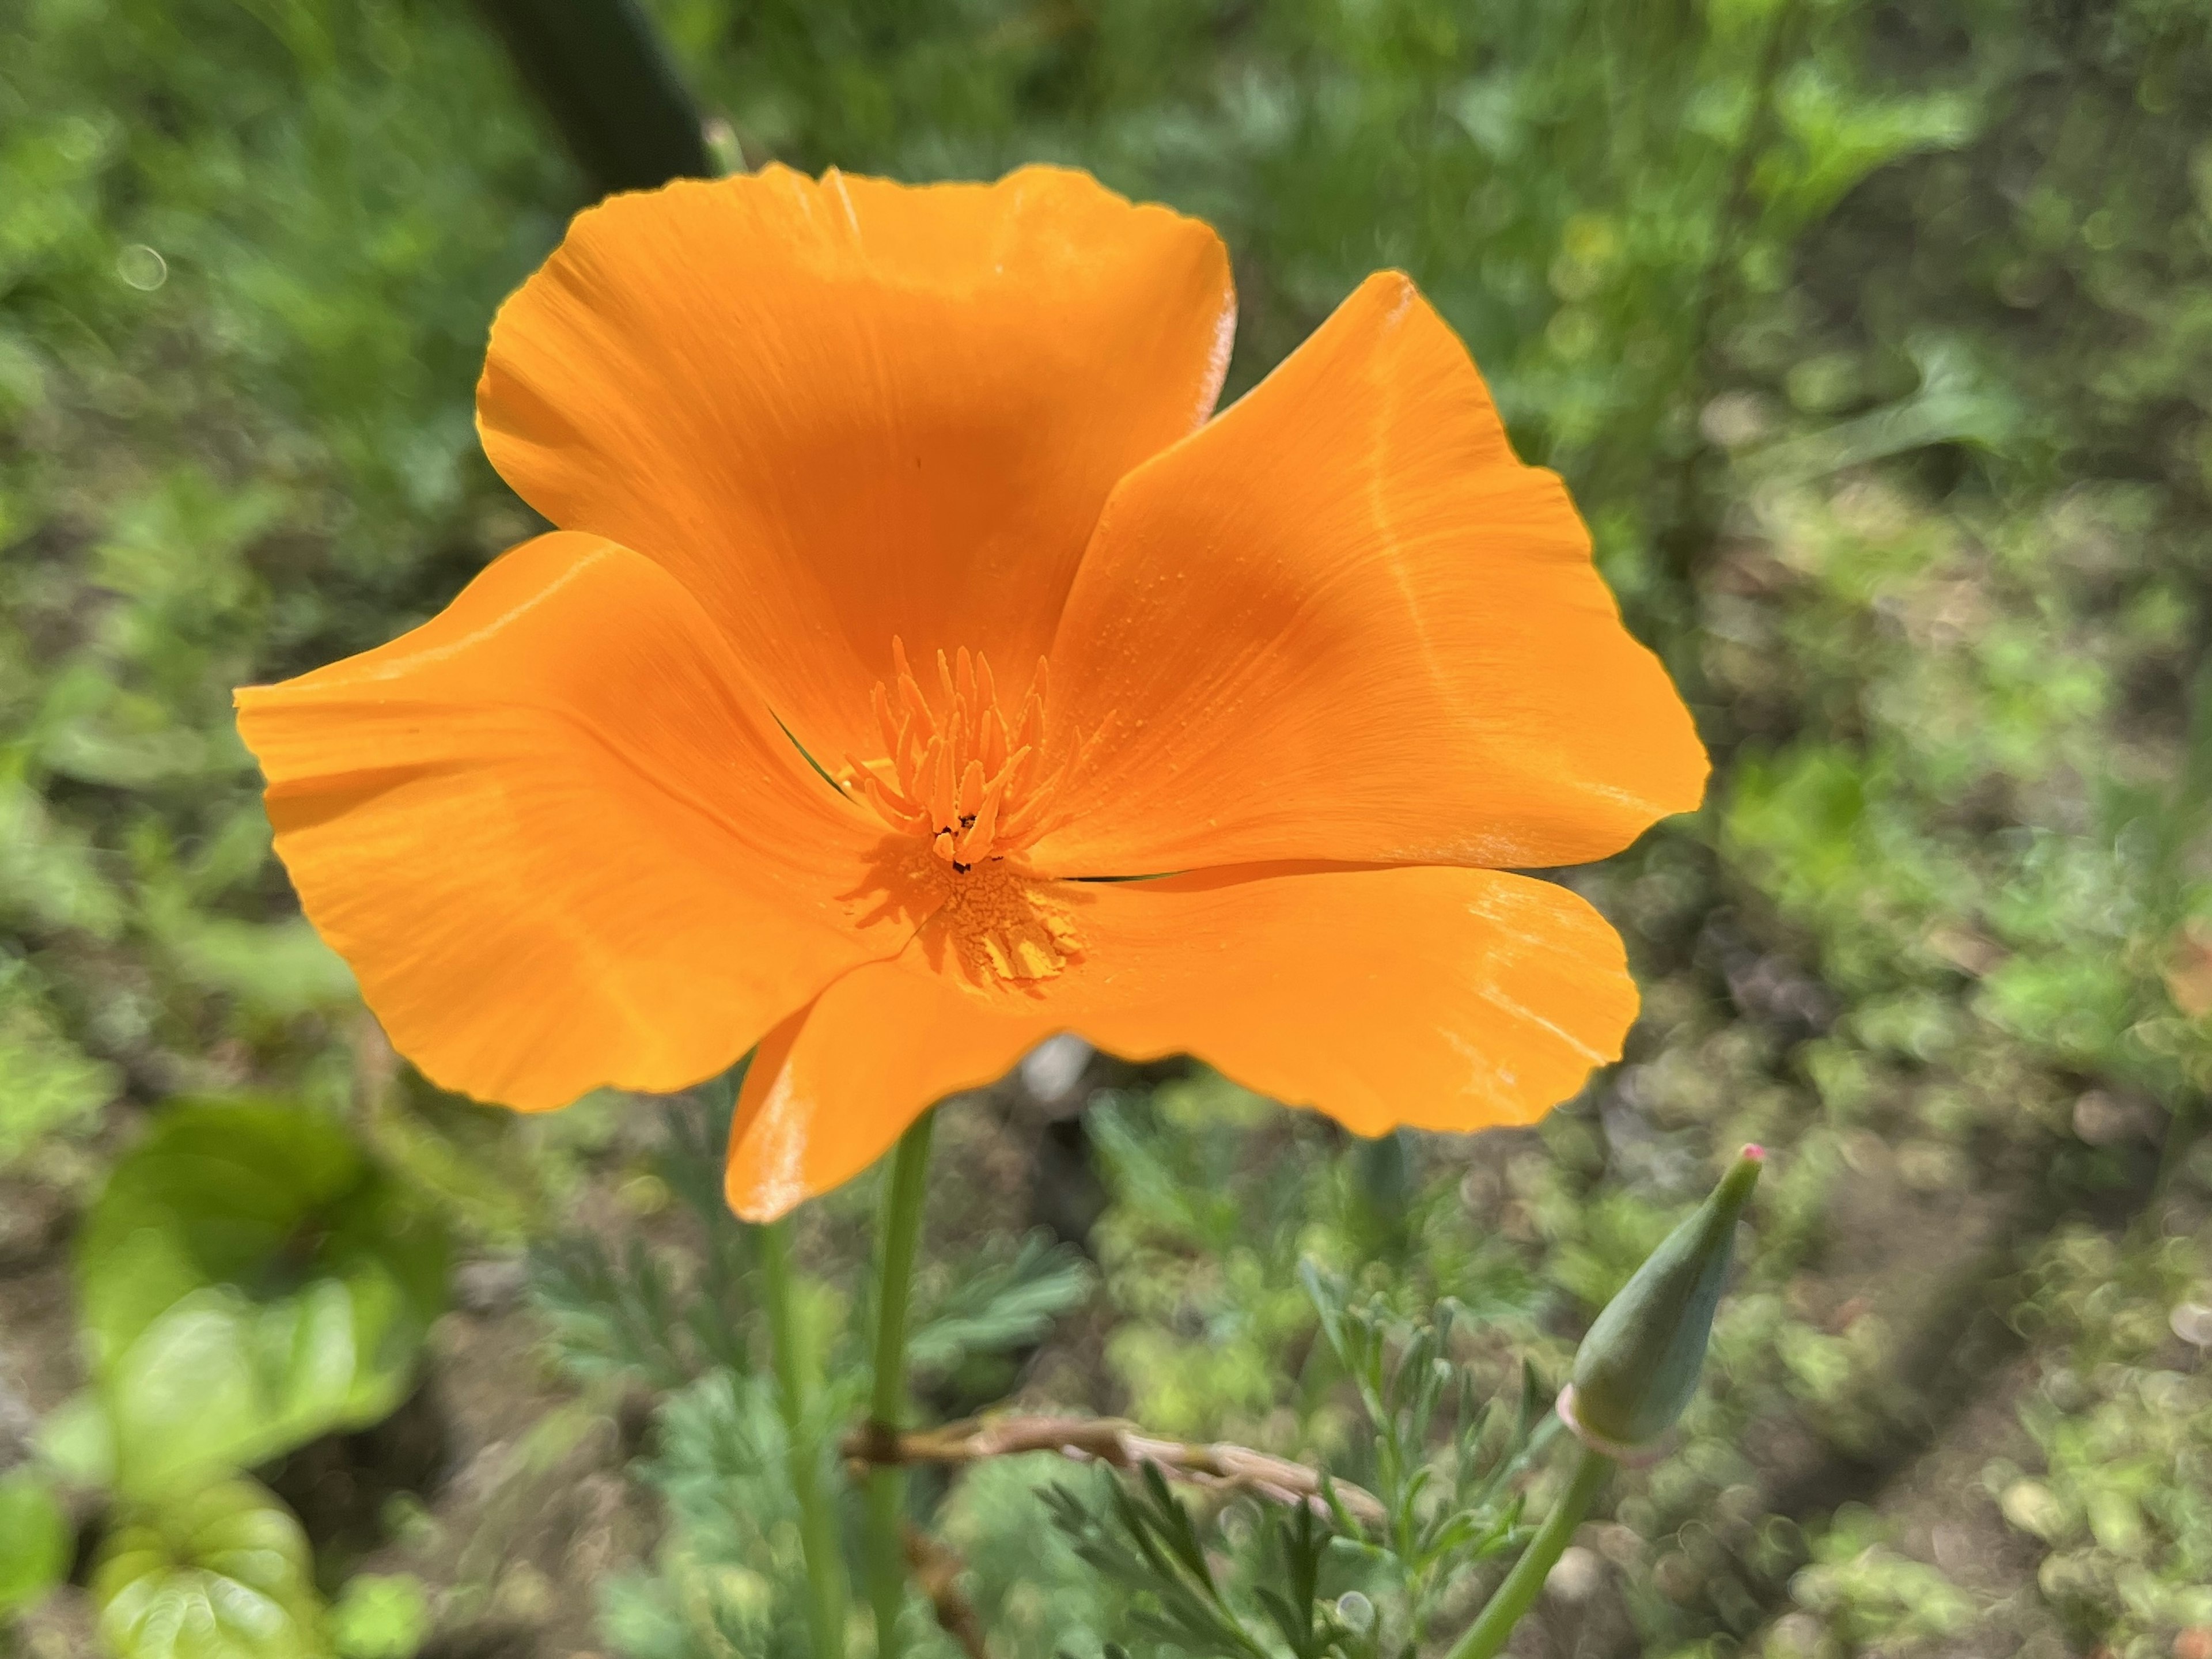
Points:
[[1755, 1152]]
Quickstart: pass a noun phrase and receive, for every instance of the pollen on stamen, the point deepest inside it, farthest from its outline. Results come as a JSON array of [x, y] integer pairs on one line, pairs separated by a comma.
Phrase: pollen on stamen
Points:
[[966, 783], [956, 771]]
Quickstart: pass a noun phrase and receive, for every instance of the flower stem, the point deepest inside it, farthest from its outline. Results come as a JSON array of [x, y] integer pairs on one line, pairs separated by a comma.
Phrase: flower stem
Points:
[[902, 1235], [1488, 1635], [818, 1521]]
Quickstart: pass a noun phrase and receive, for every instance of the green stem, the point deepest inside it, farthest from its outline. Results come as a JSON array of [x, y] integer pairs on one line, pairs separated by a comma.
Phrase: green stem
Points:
[[1489, 1634], [901, 1234], [607, 78], [817, 1522]]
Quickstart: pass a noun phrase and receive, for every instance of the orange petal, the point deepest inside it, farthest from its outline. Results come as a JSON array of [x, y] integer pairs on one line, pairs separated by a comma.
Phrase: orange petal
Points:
[[846, 410], [1342, 621], [834, 1085], [549, 834], [1439, 997], [1435, 997]]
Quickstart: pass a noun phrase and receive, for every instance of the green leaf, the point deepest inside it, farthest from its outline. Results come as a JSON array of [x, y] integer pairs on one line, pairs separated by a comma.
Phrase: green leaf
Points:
[[380, 1616], [993, 1307], [35, 1540], [277, 970], [249, 1281], [52, 1086], [221, 1380], [223, 1573], [48, 869], [77, 1440]]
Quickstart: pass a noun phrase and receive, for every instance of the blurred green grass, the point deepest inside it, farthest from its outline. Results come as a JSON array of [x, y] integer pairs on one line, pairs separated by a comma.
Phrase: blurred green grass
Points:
[[1876, 343]]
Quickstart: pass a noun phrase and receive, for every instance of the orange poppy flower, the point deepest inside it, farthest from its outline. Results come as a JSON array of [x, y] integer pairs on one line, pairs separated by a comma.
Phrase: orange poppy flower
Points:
[[907, 586]]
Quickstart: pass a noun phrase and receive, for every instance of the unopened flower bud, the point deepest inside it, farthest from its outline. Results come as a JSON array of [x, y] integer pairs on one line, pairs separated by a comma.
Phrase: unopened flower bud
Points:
[[1639, 1366]]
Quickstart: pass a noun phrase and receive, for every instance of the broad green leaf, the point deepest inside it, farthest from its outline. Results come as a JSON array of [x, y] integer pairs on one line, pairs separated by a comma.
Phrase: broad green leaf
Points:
[[34, 1540], [249, 1281], [77, 1440], [220, 1379], [224, 1572]]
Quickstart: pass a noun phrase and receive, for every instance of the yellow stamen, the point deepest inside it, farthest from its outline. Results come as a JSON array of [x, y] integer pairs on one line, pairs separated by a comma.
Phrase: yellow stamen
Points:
[[885, 723], [976, 840], [974, 788], [994, 739], [941, 785]]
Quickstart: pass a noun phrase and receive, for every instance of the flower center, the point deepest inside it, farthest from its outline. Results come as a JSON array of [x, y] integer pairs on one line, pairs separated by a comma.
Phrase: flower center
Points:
[[971, 786], [957, 772], [999, 925]]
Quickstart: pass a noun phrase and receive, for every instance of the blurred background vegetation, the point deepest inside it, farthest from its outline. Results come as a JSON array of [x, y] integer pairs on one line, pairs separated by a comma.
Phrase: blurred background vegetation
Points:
[[1876, 343]]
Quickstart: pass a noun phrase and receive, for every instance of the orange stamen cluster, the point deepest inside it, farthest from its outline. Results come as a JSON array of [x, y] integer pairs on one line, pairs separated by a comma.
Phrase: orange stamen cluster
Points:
[[961, 774]]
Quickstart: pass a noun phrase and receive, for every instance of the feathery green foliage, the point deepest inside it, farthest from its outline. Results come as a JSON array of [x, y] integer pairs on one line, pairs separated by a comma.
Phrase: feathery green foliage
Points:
[[1874, 339]]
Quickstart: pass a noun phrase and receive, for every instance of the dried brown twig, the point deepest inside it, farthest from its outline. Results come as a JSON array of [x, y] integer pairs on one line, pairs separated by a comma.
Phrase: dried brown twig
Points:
[[1120, 1444]]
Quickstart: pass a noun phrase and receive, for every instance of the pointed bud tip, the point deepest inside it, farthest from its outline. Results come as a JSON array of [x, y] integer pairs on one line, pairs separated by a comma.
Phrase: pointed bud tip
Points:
[[1639, 1366]]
